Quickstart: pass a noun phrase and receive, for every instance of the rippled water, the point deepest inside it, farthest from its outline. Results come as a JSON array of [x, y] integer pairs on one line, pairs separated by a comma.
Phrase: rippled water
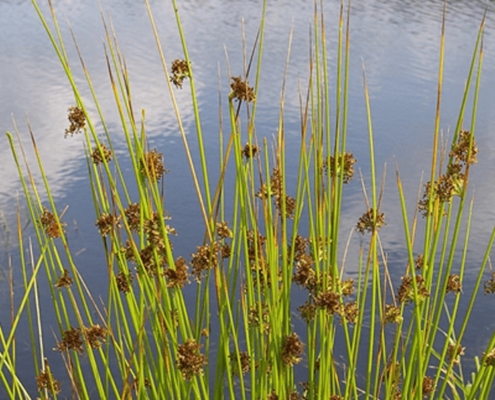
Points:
[[397, 40]]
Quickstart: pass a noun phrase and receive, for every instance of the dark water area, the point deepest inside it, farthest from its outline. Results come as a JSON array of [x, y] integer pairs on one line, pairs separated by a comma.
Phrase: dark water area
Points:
[[398, 41]]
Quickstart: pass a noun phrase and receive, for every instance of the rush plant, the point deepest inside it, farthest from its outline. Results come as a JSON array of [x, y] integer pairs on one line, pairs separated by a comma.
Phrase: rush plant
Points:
[[263, 240]]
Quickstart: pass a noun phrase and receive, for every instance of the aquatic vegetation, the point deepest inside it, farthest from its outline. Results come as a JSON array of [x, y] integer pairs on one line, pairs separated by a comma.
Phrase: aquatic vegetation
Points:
[[225, 321]]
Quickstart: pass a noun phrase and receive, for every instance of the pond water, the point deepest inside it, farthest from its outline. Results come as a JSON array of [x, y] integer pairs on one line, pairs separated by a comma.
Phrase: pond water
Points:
[[398, 41]]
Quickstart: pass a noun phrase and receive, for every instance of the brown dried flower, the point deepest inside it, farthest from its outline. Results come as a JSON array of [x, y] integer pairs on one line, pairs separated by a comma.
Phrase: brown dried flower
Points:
[[454, 284], [305, 275], [428, 386], [419, 262], [241, 90], [245, 362], [330, 301], [223, 230], [98, 156], [77, 121], [133, 216], [406, 290], [392, 314], [489, 358], [64, 281], [454, 352], [348, 169], [489, 285], [95, 335], [107, 222], [124, 281], [190, 361], [250, 150], [205, 258], [366, 222], [350, 312], [177, 277], [45, 380], [307, 311], [49, 222], [180, 71], [71, 340], [292, 349], [152, 165], [460, 150]]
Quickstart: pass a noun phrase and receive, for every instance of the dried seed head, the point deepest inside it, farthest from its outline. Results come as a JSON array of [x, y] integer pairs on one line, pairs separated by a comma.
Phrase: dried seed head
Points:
[[250, 150], [71, 340], [205, 258], [406, 290], [245, 362], [223, 230], [241, 90], [46, 381], [489, 285], [189, 360], [428, 386], [64, 281], [490, 358], [107, 222], [454, 352], [292, 349], [419, 262], [366, 222], [460, 150], [180, 71], [98, 156], [392, 314], [454, 284], [77, 121], [152, 165], [133, 216], [348, 170], [49, 222], [95, 335], [350, 312], [178, 277], [307, 311], [124, 282]]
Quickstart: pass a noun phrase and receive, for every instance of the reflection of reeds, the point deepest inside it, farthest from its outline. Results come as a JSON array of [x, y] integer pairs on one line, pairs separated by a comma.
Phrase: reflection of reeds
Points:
[[144, 342]]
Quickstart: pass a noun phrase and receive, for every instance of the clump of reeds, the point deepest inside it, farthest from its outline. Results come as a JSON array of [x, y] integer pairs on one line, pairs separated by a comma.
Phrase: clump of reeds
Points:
[[144, 342]]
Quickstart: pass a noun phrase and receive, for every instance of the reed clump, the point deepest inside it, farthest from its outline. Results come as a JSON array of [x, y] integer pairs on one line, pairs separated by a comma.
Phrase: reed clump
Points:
[[360, 336]]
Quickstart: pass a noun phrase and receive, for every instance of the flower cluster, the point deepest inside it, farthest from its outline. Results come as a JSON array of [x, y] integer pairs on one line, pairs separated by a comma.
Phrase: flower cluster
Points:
[[152, 165], [49, 222], [250, 150], [463, 152], [368, 223], [107, 222], [189, 360], [275, 190], [177, 277], [45, 380], [180, 71], [98, 156], [406, 290], [64, 281], [292, 349], [241, 90], [77, 121], [345, 166]]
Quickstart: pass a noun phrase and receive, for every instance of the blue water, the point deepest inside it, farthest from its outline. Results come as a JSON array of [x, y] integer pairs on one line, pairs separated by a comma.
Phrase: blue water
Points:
[[398, 41]]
